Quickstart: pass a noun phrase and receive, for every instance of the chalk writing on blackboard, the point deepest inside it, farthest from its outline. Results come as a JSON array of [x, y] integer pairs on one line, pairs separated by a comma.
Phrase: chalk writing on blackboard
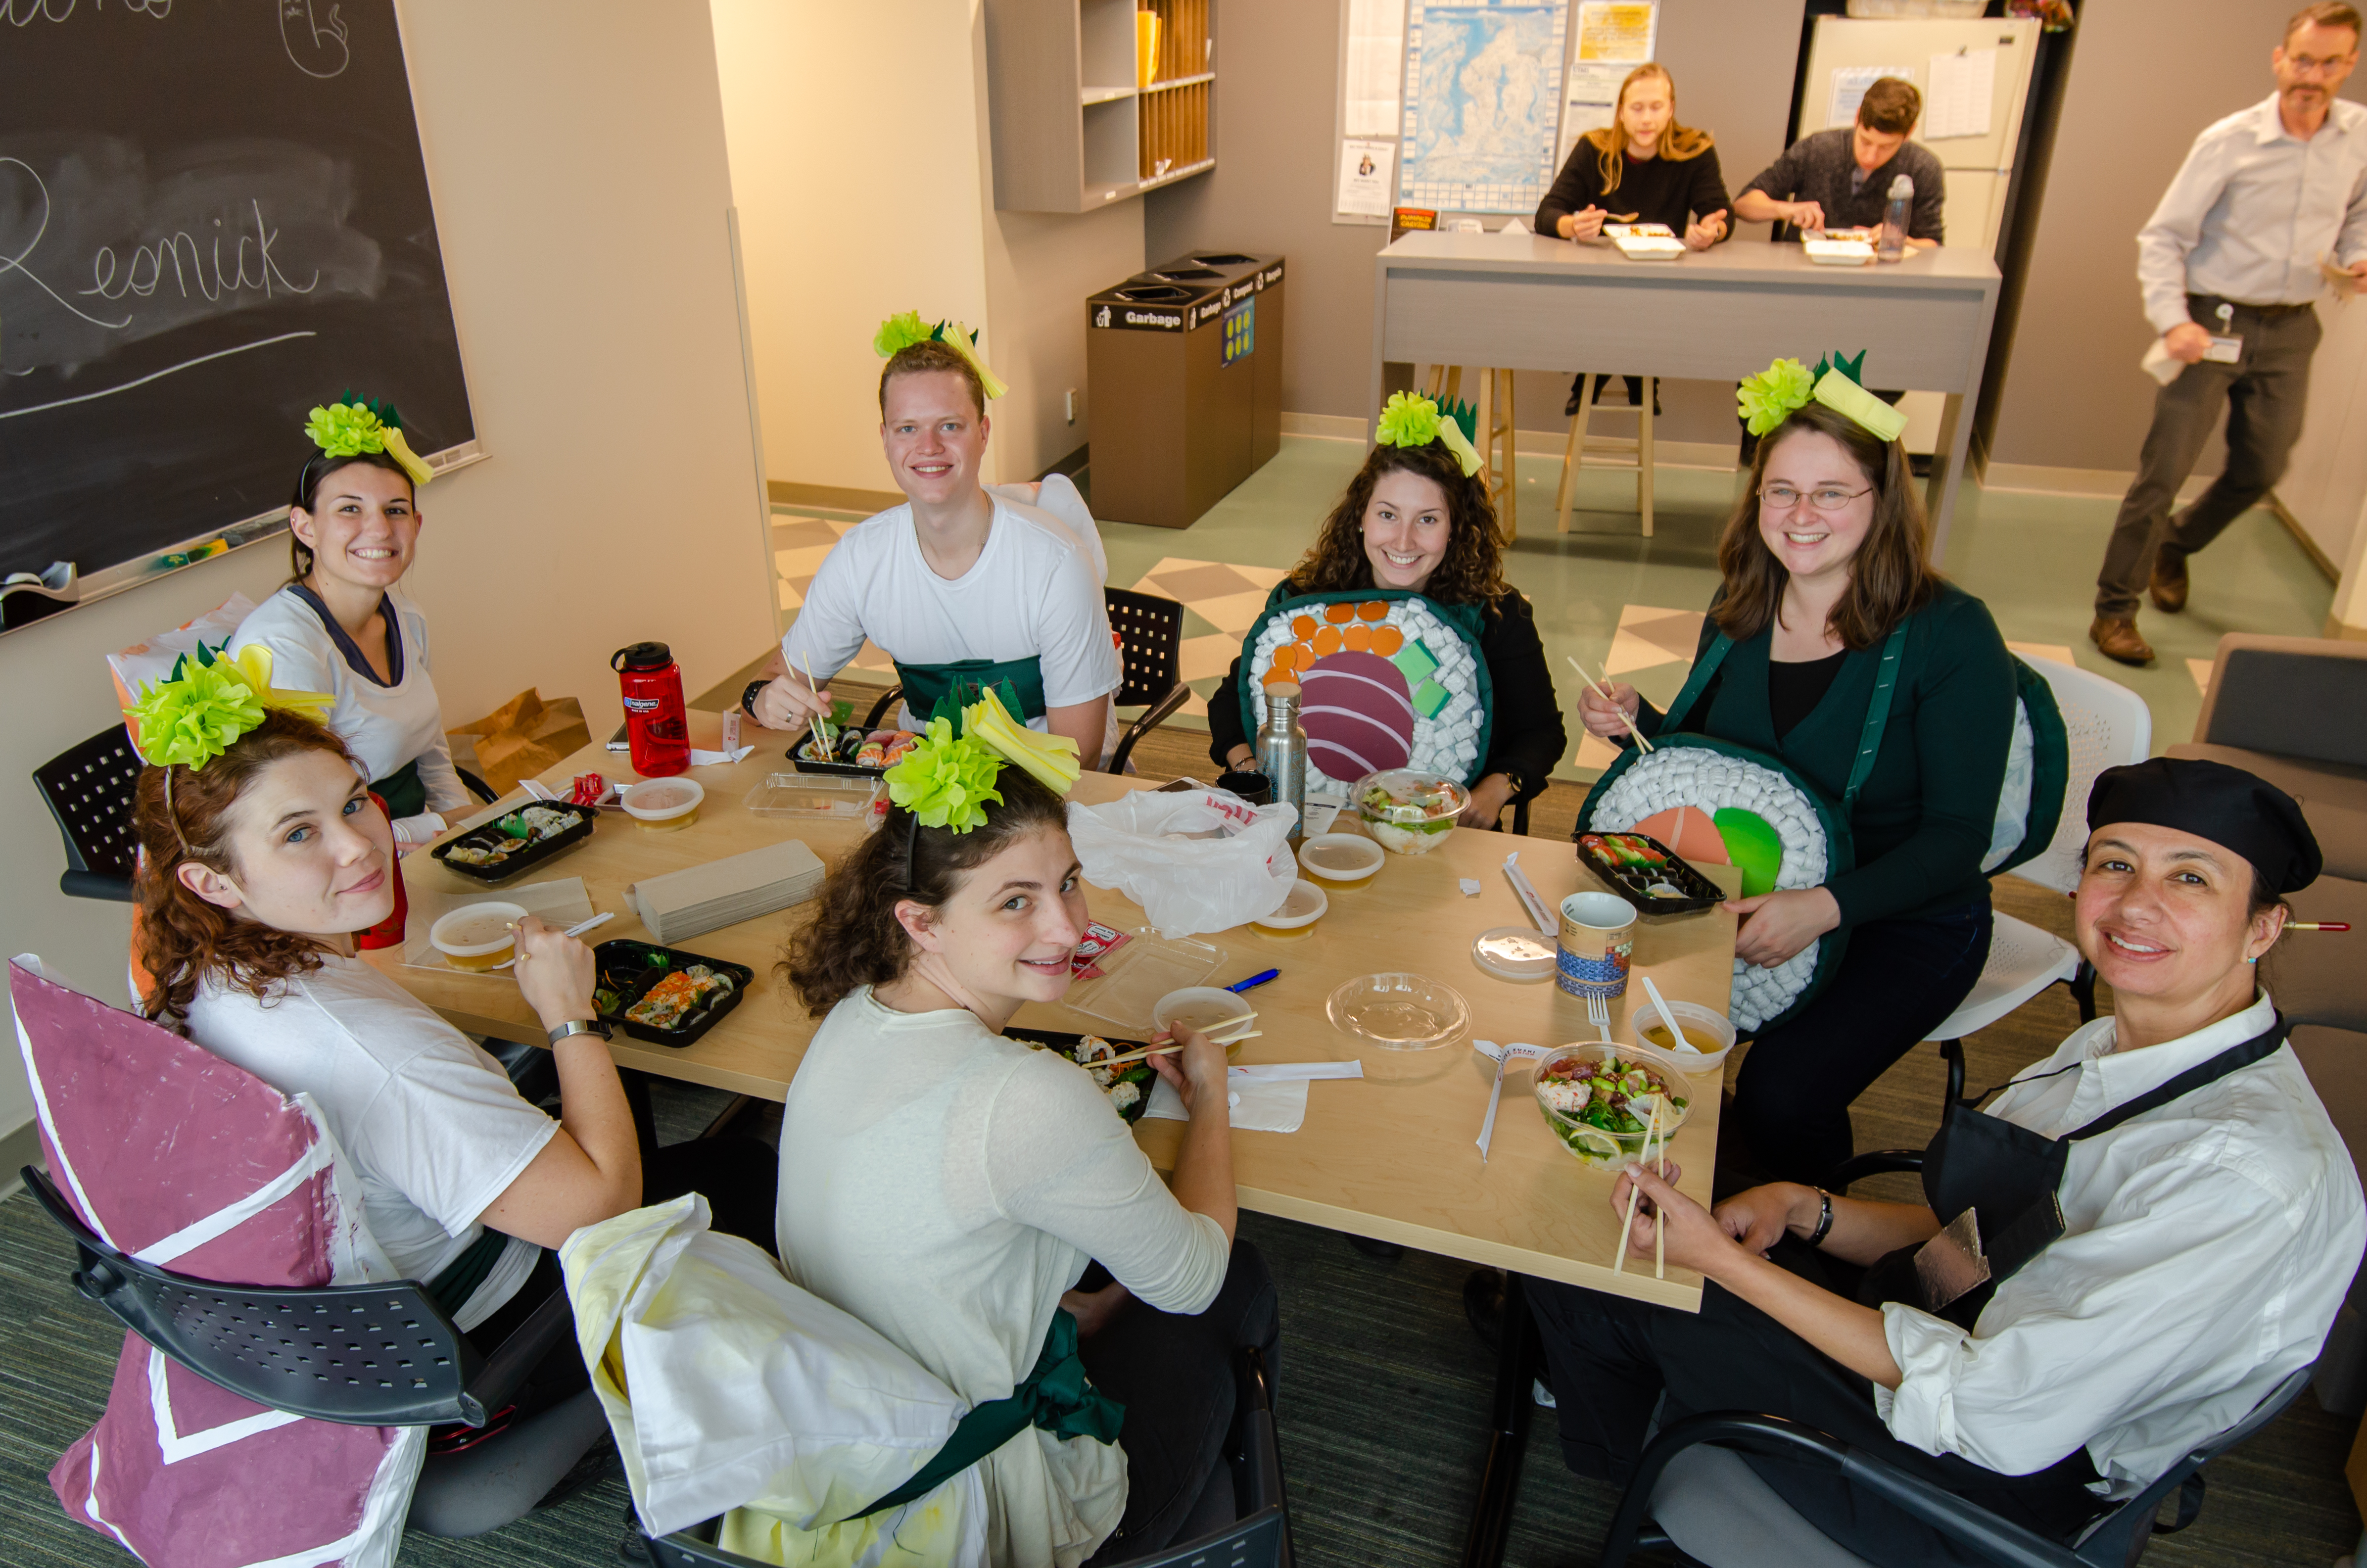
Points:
[[318, 46]]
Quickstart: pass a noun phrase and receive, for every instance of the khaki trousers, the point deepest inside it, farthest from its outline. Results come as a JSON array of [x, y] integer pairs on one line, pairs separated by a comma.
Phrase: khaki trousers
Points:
[[2263, 395]]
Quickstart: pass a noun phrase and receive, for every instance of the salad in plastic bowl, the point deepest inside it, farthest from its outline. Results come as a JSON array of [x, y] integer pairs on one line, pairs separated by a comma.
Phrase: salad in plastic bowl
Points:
[[1597, 1098], [1408, 812]]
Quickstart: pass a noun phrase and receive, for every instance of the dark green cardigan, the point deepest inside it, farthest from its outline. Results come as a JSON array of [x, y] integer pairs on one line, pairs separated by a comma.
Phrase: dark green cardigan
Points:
[[1923, 819]]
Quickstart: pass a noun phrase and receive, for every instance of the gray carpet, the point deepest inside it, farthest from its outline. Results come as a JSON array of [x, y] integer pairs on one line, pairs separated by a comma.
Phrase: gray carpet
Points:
[[1383, 1400]]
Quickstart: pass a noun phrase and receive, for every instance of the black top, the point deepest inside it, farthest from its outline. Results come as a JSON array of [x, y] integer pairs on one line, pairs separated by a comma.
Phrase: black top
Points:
[[1525, 736], [1658, 190], [351, 651], [1822, 168], [1794, 689]]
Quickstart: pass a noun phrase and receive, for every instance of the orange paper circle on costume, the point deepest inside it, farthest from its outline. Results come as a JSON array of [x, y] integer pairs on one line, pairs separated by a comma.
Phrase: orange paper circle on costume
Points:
[[1327, 641], [1357, 638], [1338, 611], [1302, 626], [1373, 610], [1278, 676], [1689, 831], [1386, 641], [1286, 656]]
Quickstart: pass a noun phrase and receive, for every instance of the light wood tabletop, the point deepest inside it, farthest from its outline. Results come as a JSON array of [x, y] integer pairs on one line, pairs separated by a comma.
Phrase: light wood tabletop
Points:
[[1391, 1157]]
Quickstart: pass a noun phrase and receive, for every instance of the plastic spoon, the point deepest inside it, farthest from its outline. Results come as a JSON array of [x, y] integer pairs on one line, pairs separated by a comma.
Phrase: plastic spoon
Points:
[[1668, 1017]]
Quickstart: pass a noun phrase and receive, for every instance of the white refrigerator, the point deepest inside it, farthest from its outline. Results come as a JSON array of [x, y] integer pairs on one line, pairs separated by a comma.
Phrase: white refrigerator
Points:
[[1975, 77]]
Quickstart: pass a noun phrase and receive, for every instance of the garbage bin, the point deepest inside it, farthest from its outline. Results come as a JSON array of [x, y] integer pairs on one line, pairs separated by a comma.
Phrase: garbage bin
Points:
[[1174, 359]]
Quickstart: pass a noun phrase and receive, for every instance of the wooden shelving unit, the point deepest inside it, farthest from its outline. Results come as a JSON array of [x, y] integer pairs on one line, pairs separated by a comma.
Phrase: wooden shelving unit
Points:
[[1073, 129]]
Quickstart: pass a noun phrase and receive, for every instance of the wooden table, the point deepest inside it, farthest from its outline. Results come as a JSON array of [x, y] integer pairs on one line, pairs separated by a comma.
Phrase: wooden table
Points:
[[1391, 1156], [1518, 302]]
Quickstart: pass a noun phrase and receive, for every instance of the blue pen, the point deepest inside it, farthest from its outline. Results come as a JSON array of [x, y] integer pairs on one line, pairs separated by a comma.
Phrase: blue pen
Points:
[[1253, 981]]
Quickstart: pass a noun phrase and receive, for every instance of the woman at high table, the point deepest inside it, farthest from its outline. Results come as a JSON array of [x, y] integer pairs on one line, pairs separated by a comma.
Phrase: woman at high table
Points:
[[2170, 1220], [949, 1186], [1824, 560], [343, 624], [1651, 169]]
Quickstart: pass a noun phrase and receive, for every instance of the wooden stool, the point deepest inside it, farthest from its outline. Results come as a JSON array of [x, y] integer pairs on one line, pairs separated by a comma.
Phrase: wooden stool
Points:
[[1499, 466], [1637, 451]]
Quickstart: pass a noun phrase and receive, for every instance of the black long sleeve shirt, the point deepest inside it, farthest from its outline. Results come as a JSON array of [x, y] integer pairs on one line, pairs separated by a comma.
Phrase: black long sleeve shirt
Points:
[[1658, 190], [1525, 736]]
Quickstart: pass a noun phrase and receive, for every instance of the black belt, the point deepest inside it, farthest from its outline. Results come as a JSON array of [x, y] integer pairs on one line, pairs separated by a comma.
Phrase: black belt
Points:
[[2256, 310]]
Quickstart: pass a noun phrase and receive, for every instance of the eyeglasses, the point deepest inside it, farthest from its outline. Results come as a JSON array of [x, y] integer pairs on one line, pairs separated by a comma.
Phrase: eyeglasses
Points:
[[2309, 66], [1826, 498]]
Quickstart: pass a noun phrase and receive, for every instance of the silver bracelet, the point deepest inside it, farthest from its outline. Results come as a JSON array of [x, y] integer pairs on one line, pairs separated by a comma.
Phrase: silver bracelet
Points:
[[575, 1026], [1824, 1219]]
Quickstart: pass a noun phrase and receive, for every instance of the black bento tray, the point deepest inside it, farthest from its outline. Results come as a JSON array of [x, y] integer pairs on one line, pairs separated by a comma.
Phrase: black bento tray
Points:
[[1629, 881], [629, 968], [843, 769], [1067, 1042], [537, 855]]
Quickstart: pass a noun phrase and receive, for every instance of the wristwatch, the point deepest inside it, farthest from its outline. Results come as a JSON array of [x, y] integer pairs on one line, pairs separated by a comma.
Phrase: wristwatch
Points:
[[748, 697], [1515, 780], [573, 1026]]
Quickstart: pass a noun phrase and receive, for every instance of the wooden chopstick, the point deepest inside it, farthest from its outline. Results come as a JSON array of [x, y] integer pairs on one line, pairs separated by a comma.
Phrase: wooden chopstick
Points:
[[1606, 696], [1133, 1056], [1635, 1190]]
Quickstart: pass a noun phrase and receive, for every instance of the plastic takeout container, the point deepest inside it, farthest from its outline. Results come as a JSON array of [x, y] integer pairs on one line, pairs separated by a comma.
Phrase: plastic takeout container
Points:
[[493, 836], [1302, 906], [1707, 1030], [1602, 1146], [477, 937], [1418, 812], [663, 805], [1399, 1011], [1136, 975], [629, 969], [1339, 861], [814, 795]]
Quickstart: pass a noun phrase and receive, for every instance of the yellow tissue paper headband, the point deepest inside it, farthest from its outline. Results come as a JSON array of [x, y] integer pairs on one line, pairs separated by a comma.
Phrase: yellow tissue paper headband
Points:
[[1413, 420], [1767, 399], [348, 430], [906, 328]]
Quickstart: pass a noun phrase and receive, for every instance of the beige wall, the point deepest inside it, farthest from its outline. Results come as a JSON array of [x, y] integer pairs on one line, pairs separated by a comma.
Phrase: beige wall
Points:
[[2147, 76], [1272, 187], [857, 203], [575, 151]]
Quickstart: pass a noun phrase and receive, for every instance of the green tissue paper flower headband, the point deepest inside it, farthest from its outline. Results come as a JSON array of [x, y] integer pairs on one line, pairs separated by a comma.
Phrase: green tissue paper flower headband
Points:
[[1413, 420], [905, 328], [1767, 399], [208, 702], [349, 429], [945, 779]]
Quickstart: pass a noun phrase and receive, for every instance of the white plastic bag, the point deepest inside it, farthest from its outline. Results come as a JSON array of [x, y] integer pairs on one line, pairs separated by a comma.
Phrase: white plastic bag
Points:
[[153, 661], [1141, 845]]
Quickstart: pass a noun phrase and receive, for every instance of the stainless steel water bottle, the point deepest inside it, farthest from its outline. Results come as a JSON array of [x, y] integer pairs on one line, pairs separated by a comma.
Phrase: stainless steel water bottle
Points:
[[1282, 751]]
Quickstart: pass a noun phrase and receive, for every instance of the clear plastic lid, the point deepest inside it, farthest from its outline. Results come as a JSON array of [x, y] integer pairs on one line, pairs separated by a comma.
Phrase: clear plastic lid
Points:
[[1514, 952]]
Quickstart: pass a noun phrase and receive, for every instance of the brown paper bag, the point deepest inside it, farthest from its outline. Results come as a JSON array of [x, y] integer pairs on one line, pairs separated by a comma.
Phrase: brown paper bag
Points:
[[523, 737]]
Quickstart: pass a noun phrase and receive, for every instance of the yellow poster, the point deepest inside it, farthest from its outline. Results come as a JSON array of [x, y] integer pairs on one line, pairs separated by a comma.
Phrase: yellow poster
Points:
[[1611, 30]]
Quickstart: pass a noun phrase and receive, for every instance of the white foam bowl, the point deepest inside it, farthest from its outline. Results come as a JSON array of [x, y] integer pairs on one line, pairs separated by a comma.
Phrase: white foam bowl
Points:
[[1709, 1032], [663, 802], [479, 955], [1337, 860]]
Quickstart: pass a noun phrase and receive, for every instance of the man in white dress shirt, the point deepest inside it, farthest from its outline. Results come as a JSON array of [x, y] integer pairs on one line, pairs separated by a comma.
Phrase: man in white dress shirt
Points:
[[2230, 266]]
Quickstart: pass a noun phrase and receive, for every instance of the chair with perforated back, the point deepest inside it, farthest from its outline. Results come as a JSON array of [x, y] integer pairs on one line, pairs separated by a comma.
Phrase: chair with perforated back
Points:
[[90, 791], [1259, 1536], [2108, 726], [381, 1355]]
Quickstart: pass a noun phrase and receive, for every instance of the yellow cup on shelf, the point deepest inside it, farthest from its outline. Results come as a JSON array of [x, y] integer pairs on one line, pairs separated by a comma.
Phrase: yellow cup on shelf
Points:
[[1146, 48]]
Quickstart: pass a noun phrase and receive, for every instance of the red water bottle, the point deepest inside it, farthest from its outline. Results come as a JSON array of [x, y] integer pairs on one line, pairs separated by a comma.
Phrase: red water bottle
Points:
[[653, 714]]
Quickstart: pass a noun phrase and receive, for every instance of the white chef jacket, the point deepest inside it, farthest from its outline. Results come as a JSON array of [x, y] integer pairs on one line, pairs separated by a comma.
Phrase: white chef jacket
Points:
[[2252, 210], [2208, 1244]]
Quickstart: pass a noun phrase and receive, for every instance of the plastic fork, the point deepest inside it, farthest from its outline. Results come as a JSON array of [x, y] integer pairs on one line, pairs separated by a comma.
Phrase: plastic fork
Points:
[[1598, 1013]]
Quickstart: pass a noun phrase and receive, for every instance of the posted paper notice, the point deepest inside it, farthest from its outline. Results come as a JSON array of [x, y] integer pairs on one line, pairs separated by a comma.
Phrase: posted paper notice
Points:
[[1375, 64], [1958, 102], [1365, 171], [1850, 82]]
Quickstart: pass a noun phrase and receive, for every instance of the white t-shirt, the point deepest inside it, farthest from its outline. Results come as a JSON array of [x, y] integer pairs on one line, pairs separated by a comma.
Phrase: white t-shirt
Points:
[[429, 1120], [384, 726], [1033, 591], [945, 1185]]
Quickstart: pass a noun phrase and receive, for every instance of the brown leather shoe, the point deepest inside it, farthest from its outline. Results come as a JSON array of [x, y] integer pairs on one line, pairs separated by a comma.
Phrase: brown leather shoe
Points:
[[2167, 587], [2117, 637]]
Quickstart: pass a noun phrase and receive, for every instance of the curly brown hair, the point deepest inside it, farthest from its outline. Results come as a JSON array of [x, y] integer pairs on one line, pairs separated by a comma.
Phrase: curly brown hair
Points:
[[853, 939], [182, 939], [1890, 577], [1472, 570], [919, 359]]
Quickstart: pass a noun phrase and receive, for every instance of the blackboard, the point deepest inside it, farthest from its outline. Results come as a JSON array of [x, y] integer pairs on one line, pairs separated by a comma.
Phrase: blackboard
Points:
[[213, 215]]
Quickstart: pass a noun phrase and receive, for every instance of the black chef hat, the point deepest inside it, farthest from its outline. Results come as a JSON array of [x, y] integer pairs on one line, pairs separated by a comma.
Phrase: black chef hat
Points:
[[2210, 799]]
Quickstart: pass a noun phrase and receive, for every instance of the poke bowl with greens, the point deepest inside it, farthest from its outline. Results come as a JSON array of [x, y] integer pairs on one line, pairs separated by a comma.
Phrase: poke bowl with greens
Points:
[[1599, 1098], [1407, 812]]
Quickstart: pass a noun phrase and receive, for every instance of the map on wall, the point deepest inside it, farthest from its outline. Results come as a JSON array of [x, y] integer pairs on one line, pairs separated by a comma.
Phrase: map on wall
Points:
[[1482, 104]]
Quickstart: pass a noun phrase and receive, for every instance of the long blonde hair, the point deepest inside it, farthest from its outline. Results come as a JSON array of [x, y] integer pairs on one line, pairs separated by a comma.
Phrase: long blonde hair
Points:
[[1677, 142]]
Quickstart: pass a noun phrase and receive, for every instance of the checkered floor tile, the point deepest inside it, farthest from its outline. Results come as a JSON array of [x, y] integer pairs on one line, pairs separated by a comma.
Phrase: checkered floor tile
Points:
[[1648, 638], [799, 545], [1221, 603]]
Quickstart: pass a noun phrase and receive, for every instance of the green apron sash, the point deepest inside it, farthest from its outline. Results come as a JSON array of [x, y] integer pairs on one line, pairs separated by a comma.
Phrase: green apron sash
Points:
[[1018, 682], [1056, 1397], [404, 792], [451, 1289]]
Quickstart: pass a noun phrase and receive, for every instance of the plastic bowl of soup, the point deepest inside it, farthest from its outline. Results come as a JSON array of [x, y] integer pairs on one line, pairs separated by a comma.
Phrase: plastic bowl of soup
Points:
[[477, 937], [1709, 1034], [1302, 906], [664, 803], [1338, 861]]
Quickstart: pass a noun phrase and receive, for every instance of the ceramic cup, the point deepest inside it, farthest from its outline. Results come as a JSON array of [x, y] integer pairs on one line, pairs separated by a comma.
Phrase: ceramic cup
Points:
[[1598, 934]]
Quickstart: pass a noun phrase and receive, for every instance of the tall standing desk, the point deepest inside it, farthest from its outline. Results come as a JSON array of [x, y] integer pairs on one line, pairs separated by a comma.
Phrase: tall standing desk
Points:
[[1520, 302]]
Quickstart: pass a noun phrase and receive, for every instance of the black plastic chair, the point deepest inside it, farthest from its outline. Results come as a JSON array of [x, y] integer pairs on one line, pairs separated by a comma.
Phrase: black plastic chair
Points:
[[1259, 1538], [90, 791], [477, 787], [2116, 1540]]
